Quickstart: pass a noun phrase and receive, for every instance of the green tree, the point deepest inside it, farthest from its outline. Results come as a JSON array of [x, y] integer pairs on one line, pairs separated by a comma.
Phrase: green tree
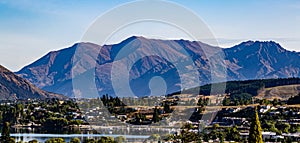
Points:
[[33, 141], [11, 140], [232, 134], [106, 140], [75, 140], [241, 98], [221, 137], [76, 122], [120, 139], [91, 141], [216, 126], [255, 135], [213, 134], [294, 100], [55, 140], [264, 102], [155, 137], [186, 135], [55, 123], [202, 102], [5, 135], [226, 102], [155, 115], [9, 114], [284, 127], [167, 108], [275, 102], [272, 128]]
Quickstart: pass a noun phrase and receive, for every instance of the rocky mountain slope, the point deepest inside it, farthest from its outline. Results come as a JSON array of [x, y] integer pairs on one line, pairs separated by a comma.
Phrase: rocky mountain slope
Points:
[[55, 72], [255, 60], [14, 87]]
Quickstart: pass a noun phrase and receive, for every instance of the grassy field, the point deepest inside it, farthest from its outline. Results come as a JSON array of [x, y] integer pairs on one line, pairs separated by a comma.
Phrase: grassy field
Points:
[[279, 92]]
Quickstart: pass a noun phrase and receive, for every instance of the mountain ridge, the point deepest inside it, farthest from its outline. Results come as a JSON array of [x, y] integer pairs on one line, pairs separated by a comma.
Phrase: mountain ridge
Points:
[[14, 87], [247, 60]]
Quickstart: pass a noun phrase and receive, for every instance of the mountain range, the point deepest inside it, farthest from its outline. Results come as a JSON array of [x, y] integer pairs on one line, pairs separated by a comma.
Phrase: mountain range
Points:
[[14, 87], [104, 68]]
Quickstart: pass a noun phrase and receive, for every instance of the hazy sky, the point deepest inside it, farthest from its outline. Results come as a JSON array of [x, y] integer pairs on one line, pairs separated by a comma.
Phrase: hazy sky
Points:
[[32, 28]]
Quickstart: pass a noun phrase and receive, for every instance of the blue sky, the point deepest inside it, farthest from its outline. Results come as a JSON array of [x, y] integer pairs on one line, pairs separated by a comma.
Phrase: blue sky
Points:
[[31, 28]]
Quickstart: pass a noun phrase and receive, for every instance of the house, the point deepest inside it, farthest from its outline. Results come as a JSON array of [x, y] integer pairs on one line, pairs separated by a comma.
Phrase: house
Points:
[[268, 135], [264, 109]]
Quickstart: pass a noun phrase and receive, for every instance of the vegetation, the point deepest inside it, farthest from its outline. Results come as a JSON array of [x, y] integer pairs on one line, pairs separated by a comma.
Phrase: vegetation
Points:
[[239, 99], [255, 135], [54, 115], [55, 140], [120, 139], [32, 141], [75, 140], [51, 114], [237, 87], [116, 107], [294, 100], [155, 117], [5, 135], [214, 133]]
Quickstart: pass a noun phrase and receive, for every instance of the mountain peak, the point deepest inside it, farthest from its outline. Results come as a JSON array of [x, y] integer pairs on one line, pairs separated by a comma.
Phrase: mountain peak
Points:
[[258, 46], [251, 42], [135, 38]]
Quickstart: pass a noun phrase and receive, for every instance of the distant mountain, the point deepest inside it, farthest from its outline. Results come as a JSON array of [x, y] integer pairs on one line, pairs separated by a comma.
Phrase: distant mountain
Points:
[[248, 60], [14, 87], [53, 72], [256, 60]]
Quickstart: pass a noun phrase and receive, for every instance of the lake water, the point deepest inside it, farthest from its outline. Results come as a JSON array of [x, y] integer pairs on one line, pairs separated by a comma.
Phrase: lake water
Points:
[[132, 134], [25, 137]]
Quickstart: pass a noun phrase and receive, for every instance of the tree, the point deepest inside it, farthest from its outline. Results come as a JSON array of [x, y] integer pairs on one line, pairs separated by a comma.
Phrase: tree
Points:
[[55, 123], [9, 114], [203, 102], [226, 102], [213, 134], [275, 102], [284, 127], [232, 134], [5, 135], [75, 140], [241, 98], [33, 141], [76, 122], [106, 140], [221, 137], [167, 108], [155, 115], [92, 141], [155, 137], [264, 102], [55, 140], [294, 100], [11, 140], [186, 135], [216, 126], [271, 126], [255, 135], [120, 139]]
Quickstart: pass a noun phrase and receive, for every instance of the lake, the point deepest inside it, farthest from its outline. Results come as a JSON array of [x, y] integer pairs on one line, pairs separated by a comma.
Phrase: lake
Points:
[[25, 137]]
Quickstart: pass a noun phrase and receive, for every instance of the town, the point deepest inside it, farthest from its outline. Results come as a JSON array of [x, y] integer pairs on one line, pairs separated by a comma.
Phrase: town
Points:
[[280, 120]]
